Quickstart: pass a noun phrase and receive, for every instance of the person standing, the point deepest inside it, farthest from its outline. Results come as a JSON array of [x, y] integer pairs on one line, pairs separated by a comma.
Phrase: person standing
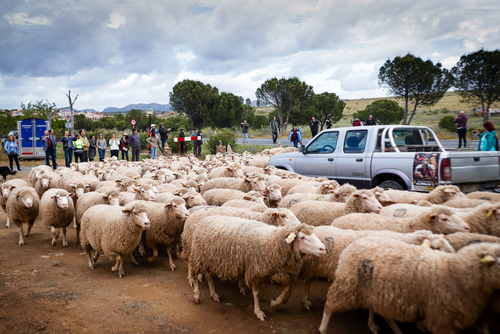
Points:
[[295, 136], [86, 145], [78, 148], [49, 144], [124, 146], [135, 143], [92, 147], [12, 151], [461, 121], [329, 123], [68, 148], [195, 144], [244, 129], [356, 121], [273, 126], [114, 146], [101, 147], [487, 139], [153, 141], [182, 143], [199, 142], [313, 124], [370, 121], [51, 133], [163, 135]]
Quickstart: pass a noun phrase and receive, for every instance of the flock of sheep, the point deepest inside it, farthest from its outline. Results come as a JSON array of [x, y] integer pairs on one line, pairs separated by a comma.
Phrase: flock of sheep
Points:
[[433, 258]]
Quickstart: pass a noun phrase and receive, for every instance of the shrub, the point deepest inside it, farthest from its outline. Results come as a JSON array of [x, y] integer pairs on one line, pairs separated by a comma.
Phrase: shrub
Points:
[[226, 136], [448, 123]]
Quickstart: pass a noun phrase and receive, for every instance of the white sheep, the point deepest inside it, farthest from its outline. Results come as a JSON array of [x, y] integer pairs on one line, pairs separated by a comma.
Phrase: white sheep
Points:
[[191, 197], [145, 192], [6, 190], [323, 188], [245, 185], [57, 212], [340, 195], [233, 170], [439, 195], [22, 207], [245, 204], [221, 196]]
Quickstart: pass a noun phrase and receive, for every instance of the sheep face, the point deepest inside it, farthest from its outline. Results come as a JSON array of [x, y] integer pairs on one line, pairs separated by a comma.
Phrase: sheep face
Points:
[[275, 192], [179, 209], [62, 199], [193, 199], [447, 224], [74, 166], [382, 197], [369, 203], [147, 193], [452, 193], [140, 217], [308, 244], [79, 189], [27, 200], [254, 196], [114, 200], [284, 217], [6, 190], [45, 182], [328, 188], [259, 185]]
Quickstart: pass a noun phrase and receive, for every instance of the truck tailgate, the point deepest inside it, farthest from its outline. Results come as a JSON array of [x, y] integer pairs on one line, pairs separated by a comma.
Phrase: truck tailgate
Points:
[[467, 167]]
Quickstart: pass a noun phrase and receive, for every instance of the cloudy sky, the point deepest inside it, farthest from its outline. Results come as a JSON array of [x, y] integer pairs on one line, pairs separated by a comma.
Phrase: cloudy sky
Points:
[[118, 52]]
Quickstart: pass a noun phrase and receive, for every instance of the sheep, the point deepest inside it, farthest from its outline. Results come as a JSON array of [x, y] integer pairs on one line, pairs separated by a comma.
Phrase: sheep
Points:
[[46, 182], [258, 162], [339, 195], [438, 196], [57, 212], [233, 170], [323, 188], [114, 230], [191, 197], [221, 196], [274, 196], [288, 184], [438, 220], [73, 184], [464, 202], [336, 240], [6, 190], [22, 207], [245, 185], [318, 213], [145, 192], [36, 172], [91, 199], [167, 222], [407, 283], [382, 197], [485, 219], [460, 240], [242, 204], [484, 195], [235, 248]]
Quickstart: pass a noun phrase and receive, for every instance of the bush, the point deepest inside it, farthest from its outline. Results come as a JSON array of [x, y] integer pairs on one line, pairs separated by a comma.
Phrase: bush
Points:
[[174, 146], [226, 136], [448, 123]]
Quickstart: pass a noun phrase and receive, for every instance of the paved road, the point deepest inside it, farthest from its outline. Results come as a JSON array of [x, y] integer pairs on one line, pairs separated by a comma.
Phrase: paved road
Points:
[[448, 144]]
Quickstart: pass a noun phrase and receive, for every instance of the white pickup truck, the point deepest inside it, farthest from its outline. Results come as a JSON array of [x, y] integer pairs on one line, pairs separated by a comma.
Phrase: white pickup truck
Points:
[[391, 156]]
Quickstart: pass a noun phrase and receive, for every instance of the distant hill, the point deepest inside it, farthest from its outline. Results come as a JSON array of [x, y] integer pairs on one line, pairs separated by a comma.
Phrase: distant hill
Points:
[[139, 106]]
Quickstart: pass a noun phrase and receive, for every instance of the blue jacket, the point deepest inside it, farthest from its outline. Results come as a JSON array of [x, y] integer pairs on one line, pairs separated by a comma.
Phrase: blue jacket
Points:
[[299, 135], [45, 142], [11, 146], [68, 143], [487, 141]]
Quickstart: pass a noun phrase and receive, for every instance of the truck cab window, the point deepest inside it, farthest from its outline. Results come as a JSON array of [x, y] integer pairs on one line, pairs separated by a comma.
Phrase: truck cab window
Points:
[[355, 141], [324, 144]]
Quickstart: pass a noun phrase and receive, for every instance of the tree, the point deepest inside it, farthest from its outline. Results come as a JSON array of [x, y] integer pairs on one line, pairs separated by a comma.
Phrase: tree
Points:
[[48, 110], [194, 99], [328, 105], [71, 116], [258, 103], [227, 111], [248, 102], [414, 80], [286, 95], [383, 111], [477, 78]]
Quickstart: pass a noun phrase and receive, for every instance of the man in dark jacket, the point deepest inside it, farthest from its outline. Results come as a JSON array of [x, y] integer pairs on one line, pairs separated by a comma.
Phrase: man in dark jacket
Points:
[[182, 143], [273, 126], [461, 121], [313, 124], [68, 147], [49, 146], [371, 121], [244, 130], [135, 143], [163, 134], [329, 123]]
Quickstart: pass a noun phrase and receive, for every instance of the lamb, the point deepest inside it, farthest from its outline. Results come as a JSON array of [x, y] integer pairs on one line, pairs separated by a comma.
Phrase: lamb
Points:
[[431, 290], [340, 195], [336, 240], [145, 192], [438, 220], [324, 188], [438, 196], [57, 212], [233, 170], [460, 240], [245, 185], [114, 230], [22, 207], [221, 196], [318, 213], [91, 199], [235, 248], [484, 195], [6, 190], [167, 222], [191, 197]]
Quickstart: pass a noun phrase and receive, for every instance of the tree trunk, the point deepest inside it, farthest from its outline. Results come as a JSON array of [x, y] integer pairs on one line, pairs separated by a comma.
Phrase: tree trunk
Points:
[[406, 110], [413, 113], [486, 112]]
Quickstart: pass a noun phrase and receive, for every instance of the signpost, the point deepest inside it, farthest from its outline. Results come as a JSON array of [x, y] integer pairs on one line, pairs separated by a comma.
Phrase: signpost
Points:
[[67, 125], [194, 138], [133, 122]]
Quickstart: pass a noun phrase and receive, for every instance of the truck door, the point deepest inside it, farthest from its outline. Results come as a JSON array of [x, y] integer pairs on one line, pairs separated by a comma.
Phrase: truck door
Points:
[[40, 127], [25, 128], [351, 164], [319, 156]]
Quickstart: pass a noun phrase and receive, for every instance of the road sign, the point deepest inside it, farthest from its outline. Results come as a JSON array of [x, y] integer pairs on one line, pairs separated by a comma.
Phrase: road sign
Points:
[[67, 125], [133, 122]]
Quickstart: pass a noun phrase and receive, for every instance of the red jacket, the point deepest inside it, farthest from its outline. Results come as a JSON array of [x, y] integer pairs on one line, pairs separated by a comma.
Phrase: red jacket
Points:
[[356, 123]]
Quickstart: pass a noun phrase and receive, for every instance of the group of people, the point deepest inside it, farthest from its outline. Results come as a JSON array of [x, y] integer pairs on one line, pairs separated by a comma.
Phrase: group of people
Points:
[[369, 122], [161, 135]]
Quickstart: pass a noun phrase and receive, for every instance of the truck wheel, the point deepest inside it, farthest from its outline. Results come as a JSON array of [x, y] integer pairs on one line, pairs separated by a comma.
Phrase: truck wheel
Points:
[[391, 185]]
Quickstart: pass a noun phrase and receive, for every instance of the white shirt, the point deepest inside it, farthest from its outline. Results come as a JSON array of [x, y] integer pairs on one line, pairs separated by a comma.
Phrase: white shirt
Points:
[[114, 144]]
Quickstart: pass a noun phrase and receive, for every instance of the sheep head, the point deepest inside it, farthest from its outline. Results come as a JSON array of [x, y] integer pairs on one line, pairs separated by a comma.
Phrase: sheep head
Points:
[[257, 184], [254, 196], [193, 198], [147, 192], [178, 206], [307, 241], [62, 198], [445, 221], [382, 197], [367, 201], [283, 216], [138, 212], [275, 192]]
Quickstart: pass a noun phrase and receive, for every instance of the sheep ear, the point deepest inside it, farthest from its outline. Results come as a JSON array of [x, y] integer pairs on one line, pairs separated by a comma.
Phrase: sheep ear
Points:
[[247, 198], [72, 185], [71, 194], [291, 237], [168, 204], [53, 197], [432, 217], [136, 189], [448, 190], [492, 213], [488, 260], [104, 196], [355, 195], [126, 210], [118, 181], [426, 243]]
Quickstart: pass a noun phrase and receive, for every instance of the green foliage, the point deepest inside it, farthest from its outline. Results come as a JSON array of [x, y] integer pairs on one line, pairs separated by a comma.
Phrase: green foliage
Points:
[[194, 99], [176, 123], [383, 111], [416, 81], [227, 111], [224, 135], [7, 122], [327, 105], [448, 123], [477, 78]]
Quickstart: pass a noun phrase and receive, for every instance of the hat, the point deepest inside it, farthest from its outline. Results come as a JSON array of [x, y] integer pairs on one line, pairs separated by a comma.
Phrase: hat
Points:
[[161, 124], [152, 125]]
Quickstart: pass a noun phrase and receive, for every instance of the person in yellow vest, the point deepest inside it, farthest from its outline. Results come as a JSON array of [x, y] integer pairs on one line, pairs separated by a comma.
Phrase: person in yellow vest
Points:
[[79, 145]]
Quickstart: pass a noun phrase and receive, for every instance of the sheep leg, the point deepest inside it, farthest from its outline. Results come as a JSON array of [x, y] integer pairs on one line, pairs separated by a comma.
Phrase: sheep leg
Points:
[[196, 291], [30, 225], [211, 287], [155, 253], [88, 249], [371, 322], [8, 222], [178, 252], [141, 249], [305, 299], [243, 287], [394, 326], [324, 321], [54, 235], [134, 259], [21, 234], [118, 266], [256, 307], [78, 228], [170, 261], [96, 255], [283, 297]]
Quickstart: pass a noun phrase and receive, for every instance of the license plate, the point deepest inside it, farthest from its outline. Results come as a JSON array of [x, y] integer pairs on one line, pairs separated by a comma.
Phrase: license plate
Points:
[[430, 188]]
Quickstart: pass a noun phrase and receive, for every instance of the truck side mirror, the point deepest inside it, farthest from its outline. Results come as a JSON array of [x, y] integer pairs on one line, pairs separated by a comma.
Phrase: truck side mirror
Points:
[[302, 149]]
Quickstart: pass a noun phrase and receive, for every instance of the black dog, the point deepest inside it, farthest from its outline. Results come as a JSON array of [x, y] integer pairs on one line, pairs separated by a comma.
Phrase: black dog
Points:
[[4, 171]]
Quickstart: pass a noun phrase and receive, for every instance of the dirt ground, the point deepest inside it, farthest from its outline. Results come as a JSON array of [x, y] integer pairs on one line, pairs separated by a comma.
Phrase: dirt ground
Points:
[[45, 289]]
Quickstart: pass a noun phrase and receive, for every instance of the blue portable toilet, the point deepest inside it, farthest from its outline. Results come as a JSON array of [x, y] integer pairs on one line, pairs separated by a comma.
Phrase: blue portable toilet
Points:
[[31, 132]]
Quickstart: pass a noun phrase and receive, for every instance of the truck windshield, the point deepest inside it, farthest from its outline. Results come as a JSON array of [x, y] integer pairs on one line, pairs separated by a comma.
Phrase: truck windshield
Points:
[[324, 144]]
